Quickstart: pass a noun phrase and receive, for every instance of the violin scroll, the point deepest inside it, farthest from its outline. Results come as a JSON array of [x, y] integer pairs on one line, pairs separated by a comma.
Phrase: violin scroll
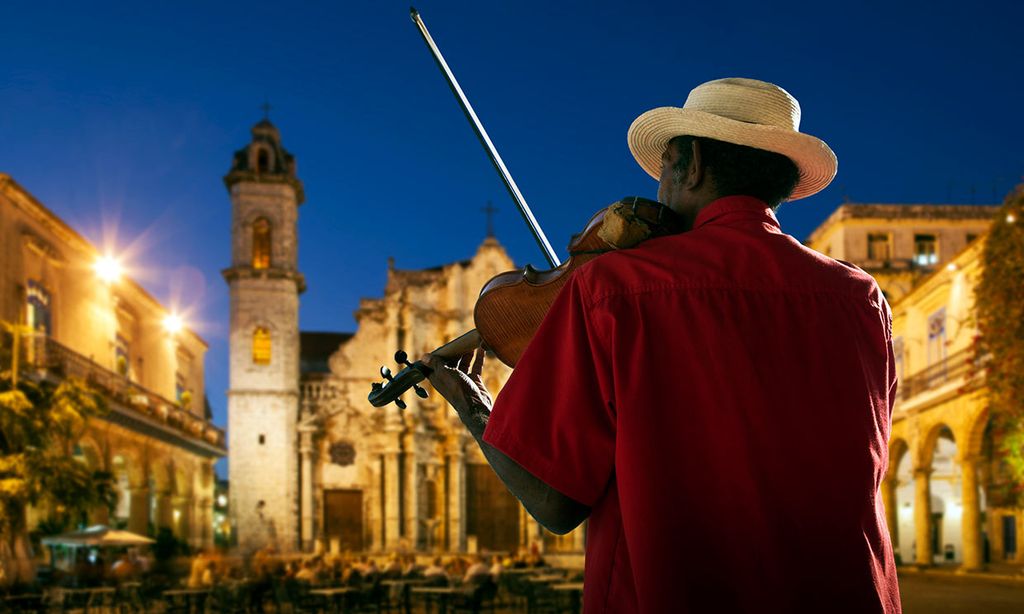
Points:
[[390, 390]]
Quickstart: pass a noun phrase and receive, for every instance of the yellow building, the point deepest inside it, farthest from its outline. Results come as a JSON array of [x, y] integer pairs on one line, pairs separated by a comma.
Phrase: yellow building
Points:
[[104, 328], [899, 244], [940, 462]]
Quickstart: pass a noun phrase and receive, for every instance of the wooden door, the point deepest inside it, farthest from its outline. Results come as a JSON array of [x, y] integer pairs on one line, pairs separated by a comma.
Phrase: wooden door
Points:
[[492, 513], [343, 518]]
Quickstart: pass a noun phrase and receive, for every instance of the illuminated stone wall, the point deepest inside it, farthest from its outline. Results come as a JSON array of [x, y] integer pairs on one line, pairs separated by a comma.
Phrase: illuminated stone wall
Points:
[[160, 449]]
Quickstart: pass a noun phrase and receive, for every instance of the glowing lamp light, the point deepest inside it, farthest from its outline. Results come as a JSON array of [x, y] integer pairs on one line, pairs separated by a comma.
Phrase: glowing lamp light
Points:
[[108, 269], [951, 266], [173, 323], [222, 500], [1010, 218]]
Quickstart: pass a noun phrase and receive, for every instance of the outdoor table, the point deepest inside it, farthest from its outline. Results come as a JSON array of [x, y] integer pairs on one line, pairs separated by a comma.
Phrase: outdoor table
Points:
[[93, 597], [333, 594], [441, 592], [194, 598], [546, 578], [574, 589], [25, 601], [403, 587]]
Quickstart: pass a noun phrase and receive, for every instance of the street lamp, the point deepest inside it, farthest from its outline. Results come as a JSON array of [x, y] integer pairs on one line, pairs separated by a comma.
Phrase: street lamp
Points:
[[173, 323], [108, 269]]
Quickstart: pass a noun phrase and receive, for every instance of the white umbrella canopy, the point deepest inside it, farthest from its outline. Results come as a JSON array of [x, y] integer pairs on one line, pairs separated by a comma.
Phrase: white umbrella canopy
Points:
[[98, 536]]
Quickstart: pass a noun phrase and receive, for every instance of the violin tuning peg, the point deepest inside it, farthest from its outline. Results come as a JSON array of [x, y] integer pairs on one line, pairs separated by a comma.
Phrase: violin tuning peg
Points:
[[420, 392], [400, 403], [402, 358], [385, 372], [376, 386]]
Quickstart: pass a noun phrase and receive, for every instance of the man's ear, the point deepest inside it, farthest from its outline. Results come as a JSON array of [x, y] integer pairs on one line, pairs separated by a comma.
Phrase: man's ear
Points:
[[695, 172]]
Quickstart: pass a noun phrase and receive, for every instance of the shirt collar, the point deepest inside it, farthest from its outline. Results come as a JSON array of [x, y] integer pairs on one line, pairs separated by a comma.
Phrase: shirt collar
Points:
[[731, 209]]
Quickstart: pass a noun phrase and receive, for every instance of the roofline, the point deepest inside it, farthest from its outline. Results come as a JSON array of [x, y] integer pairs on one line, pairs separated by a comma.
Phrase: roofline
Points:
[[31, 205], [842, 212]]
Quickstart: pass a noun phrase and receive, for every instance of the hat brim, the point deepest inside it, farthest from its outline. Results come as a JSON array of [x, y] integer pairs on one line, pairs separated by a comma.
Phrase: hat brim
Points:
[[650, 133]]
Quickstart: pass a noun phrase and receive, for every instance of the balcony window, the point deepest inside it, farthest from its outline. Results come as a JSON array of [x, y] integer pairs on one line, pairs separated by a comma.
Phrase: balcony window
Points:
[[122, 358], [38, 308], [926, 252], [180, 386], [879, 246], [937, 337], [261, 346]]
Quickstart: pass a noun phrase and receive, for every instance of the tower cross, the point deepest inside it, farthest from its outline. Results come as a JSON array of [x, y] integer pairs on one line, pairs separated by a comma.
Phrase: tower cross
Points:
[[266, 109], [490, 210]]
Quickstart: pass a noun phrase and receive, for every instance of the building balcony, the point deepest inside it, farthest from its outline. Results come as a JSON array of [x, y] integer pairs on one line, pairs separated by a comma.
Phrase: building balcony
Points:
[[953, 373], [130, 404]]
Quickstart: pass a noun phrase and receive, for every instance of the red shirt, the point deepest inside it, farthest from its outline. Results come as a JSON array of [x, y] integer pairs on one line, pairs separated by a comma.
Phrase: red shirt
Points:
[[721, 399]]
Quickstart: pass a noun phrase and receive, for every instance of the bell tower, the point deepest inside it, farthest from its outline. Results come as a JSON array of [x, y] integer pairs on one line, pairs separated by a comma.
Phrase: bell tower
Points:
[[263, 396]]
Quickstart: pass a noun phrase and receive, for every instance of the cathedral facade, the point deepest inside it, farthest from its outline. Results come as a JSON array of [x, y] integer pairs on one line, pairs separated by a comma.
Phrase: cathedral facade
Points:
[[313, 466]]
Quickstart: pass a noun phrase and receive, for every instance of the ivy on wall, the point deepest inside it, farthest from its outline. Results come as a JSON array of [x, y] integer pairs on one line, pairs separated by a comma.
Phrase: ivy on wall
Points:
[[999, 308]]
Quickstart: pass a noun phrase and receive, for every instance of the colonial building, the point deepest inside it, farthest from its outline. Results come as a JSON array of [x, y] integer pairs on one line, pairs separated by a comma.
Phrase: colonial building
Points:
[[156, 440], [313, 464], [899, 244], [940, 461]]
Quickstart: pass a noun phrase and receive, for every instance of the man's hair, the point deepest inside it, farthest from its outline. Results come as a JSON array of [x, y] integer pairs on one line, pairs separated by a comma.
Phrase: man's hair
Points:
[[738, 169]]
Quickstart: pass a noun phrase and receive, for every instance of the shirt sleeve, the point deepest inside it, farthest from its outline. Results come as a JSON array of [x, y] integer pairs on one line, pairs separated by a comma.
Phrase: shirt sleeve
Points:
[[555, 416]]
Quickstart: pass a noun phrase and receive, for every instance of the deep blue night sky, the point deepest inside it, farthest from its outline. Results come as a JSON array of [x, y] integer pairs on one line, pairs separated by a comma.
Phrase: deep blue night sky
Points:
[[122, 118]]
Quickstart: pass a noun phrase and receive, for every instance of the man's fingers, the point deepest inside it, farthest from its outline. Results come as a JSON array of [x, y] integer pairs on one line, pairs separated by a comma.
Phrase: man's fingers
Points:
[[464, 361], [478, 363]]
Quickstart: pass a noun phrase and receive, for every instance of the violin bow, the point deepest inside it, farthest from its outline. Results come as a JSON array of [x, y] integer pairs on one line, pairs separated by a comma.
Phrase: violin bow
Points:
[[485, 140], [383, 393]]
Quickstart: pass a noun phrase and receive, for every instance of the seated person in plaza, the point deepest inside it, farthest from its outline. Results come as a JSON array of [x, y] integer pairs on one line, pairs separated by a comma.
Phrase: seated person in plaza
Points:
[[308, 572], [409, 568], [124, 568], [435, 573], [393, 570], [496, 567], [477, 572]]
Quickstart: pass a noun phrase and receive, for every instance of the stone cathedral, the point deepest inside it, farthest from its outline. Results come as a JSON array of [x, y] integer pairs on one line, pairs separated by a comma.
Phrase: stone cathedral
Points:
[[313, 466]]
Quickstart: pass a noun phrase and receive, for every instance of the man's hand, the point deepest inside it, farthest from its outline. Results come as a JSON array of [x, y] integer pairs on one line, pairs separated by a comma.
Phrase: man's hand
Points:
[[463, 387]]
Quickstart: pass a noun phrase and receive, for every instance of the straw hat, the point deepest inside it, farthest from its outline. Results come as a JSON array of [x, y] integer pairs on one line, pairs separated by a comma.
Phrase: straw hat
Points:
[[740, 111]]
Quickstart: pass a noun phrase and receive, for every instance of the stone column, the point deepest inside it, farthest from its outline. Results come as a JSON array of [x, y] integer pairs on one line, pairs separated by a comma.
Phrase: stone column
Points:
[[888, 492], [164, 511], [922, 517], [391, 499], [183, 527], [456, 494], [138, 509], [202, 527], [306, 488], [971, 520], [415, 511]]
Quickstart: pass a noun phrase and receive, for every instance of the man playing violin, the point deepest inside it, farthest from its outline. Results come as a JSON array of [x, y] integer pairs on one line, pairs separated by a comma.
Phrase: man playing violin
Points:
[[716, 402]]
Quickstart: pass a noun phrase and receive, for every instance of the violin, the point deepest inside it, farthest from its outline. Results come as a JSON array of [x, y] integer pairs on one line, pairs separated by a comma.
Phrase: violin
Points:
[[512, 305]]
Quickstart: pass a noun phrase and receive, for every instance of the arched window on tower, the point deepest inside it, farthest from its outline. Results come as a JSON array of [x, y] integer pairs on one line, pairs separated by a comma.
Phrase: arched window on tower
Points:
[[261, 243], [263, 161], [261, 346]]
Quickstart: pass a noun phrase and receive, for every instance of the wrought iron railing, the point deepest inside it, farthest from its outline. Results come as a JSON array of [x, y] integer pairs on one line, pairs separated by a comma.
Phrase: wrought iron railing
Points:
[[41, 352], [962, 366]]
